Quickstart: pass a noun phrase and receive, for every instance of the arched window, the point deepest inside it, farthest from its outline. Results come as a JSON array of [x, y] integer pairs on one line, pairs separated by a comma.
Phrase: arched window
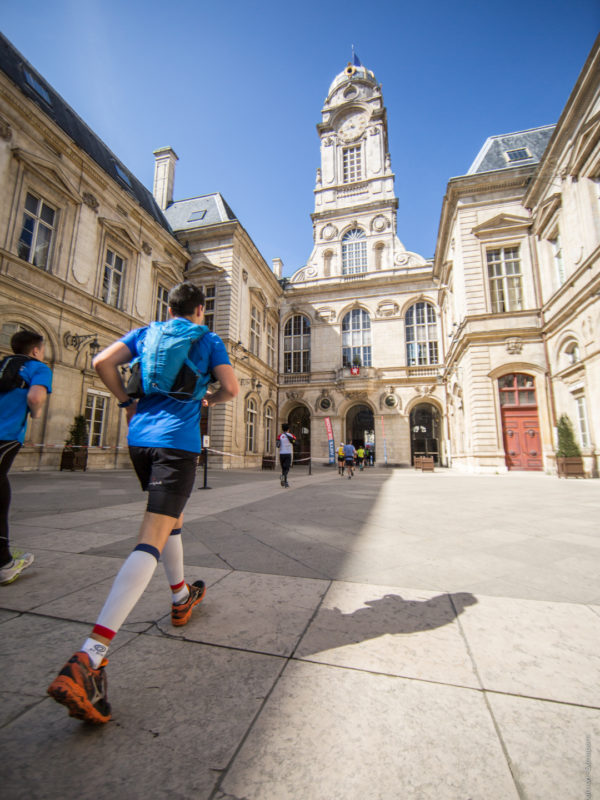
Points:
[[354, 252], [296, 344], [572, 355], [250, 425], [421, 335], [356, 338], [517, 389], [268, 429]]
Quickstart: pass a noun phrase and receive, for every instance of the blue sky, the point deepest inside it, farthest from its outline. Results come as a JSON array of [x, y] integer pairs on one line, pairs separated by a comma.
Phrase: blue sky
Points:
[[237, 88]]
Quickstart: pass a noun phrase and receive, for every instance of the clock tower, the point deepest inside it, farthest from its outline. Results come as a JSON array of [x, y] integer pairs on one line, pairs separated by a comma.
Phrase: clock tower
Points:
[[354, 221]]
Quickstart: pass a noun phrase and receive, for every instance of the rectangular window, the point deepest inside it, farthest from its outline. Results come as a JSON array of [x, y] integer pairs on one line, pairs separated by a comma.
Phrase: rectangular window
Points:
[[271, 345], [37, 232], [504, 274], [583, 422], [352, 164], [255, 330], [520, 154], [209, 307], [96, 406], [162, 304], [114, 268], [558, 259]]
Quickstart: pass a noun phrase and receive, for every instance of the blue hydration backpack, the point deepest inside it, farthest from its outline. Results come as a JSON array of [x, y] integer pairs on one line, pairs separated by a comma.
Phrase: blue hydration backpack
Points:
[[163, 365]]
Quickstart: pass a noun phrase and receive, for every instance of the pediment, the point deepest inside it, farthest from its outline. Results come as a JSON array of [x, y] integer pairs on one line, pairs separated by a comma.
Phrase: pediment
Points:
[[167, 271], [120, 233], [587, 140], [258, 293], [545, 213], [502, 223], [49, 172]]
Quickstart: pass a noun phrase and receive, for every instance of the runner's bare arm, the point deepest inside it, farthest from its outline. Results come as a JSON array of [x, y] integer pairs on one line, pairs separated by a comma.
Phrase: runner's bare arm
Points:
[[229, 386], [36, 397], [107, 365]]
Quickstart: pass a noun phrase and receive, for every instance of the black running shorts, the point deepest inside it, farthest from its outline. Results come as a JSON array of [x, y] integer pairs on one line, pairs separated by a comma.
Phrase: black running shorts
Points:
[[167, 475]]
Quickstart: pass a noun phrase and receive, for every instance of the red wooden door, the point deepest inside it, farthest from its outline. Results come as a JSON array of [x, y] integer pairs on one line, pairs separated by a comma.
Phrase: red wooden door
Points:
[[521, 434], [520, 424]]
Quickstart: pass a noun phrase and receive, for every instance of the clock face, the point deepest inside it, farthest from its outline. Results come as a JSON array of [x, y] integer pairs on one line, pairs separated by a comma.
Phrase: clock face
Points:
[[352, 126]]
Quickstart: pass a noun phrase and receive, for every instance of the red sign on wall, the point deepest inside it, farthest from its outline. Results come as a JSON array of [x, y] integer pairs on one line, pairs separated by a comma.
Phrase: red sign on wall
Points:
[[354, 370]]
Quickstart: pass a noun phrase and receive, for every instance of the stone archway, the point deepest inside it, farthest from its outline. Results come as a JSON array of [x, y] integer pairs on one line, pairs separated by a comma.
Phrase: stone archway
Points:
[[425, 432], [360, 427], [299, 422]]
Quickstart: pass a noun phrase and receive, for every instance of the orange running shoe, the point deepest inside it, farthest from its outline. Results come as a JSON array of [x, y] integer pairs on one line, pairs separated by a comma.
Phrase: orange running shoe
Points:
[[82, 689], [181, 612]]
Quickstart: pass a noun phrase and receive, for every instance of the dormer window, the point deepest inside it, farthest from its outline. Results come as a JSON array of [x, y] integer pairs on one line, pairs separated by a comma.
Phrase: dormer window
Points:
[[520, 154], [37, 87], [123, 175], [196, 216]]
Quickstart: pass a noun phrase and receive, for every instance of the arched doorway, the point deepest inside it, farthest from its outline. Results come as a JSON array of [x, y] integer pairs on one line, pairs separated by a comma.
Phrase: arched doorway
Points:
[[425, 432], [520, 423], [299, 422], [360, 428]]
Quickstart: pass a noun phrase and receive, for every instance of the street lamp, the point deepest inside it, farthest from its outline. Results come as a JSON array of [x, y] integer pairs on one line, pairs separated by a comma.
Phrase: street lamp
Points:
[[77, 340]]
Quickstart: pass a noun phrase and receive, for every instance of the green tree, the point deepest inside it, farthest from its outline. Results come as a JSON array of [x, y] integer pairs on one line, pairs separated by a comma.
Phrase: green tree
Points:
[[78, 432], [567, 446]]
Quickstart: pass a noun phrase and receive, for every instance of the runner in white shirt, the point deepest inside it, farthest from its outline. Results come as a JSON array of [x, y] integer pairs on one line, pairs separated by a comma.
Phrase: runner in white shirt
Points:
[[285, 443]]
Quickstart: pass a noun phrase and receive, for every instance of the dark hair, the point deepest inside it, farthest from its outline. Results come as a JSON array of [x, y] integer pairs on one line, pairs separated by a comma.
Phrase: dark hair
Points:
[[23, 342], [185, 298], [285, 427]]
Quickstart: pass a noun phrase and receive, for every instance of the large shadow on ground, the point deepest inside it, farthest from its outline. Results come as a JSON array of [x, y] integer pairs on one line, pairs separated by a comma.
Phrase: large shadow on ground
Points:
[[390, 614]]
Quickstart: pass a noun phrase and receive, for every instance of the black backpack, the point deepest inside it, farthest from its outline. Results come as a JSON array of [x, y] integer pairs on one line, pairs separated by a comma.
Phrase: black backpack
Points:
[[9, 373]]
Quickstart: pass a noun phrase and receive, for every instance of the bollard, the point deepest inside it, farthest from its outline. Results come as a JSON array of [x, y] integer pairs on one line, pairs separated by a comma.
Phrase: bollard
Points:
[[205, 451]]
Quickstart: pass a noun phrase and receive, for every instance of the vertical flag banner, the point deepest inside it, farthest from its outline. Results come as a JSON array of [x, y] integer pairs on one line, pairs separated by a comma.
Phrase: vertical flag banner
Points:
[[329, 430]]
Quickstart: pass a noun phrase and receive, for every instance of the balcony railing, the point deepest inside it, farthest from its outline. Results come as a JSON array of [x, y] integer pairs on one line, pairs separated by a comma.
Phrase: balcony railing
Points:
[[296, 377]]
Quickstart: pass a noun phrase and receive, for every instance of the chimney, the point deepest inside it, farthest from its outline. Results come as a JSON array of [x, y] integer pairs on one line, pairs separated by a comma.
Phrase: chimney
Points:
[[278, 268], [164, 176]]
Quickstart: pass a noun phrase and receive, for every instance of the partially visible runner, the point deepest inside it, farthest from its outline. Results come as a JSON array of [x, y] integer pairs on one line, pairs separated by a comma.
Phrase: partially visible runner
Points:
[[360, 457], [349, 456], [164, 442], [340, 458], [285, 443], [32, 384]]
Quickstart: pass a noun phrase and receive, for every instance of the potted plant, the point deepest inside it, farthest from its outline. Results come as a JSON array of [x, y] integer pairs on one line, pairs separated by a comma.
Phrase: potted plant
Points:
[[75, 453], [356, 365], [569, 462]]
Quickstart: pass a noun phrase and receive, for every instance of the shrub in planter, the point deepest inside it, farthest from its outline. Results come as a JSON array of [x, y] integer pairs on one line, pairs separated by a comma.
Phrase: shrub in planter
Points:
[[569, 461], [74, 454]]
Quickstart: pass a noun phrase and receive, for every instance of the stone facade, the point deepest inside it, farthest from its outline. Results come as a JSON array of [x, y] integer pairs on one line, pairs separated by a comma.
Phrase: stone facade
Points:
[[471, 357], [62, 215]]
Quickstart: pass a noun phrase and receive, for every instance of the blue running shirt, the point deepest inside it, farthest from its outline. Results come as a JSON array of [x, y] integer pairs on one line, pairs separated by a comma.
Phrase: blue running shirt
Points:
[[161, 421], [13, 405]]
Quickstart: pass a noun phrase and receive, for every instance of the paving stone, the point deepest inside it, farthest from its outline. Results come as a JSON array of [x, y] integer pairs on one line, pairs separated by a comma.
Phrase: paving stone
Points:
[[263, 613], [393, 631], [327, 732], [554, 749], [536, 649], [180, 710]]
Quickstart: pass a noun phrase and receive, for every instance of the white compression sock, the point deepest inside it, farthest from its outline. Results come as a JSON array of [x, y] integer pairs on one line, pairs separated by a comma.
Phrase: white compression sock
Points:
[[128, 587], [172, 559]]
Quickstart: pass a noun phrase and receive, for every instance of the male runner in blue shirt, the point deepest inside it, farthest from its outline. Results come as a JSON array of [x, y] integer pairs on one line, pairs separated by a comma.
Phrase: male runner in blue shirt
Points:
[[164, 443], [15, 406]]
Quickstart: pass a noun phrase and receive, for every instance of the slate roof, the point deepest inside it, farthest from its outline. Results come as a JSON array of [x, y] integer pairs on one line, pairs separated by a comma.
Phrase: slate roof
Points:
[[33, 86], [198, 212], [526, 147]]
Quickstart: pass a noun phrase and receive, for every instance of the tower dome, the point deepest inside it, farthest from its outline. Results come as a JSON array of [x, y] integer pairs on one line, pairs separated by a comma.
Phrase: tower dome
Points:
[[351, 73]]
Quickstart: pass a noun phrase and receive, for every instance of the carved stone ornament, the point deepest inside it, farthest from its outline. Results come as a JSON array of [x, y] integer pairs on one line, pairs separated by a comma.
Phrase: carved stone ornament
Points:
[[401, 259], [245, 275], [310, 272], [388, 401], [5, 130], [329, 232], [379, 223], [146, 248], [373, 131], [514, 345], [424, 391], [357, 395], [326, 314], [318, 181], [294, 395], [328, 141], [90, 200], [387, 308]]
